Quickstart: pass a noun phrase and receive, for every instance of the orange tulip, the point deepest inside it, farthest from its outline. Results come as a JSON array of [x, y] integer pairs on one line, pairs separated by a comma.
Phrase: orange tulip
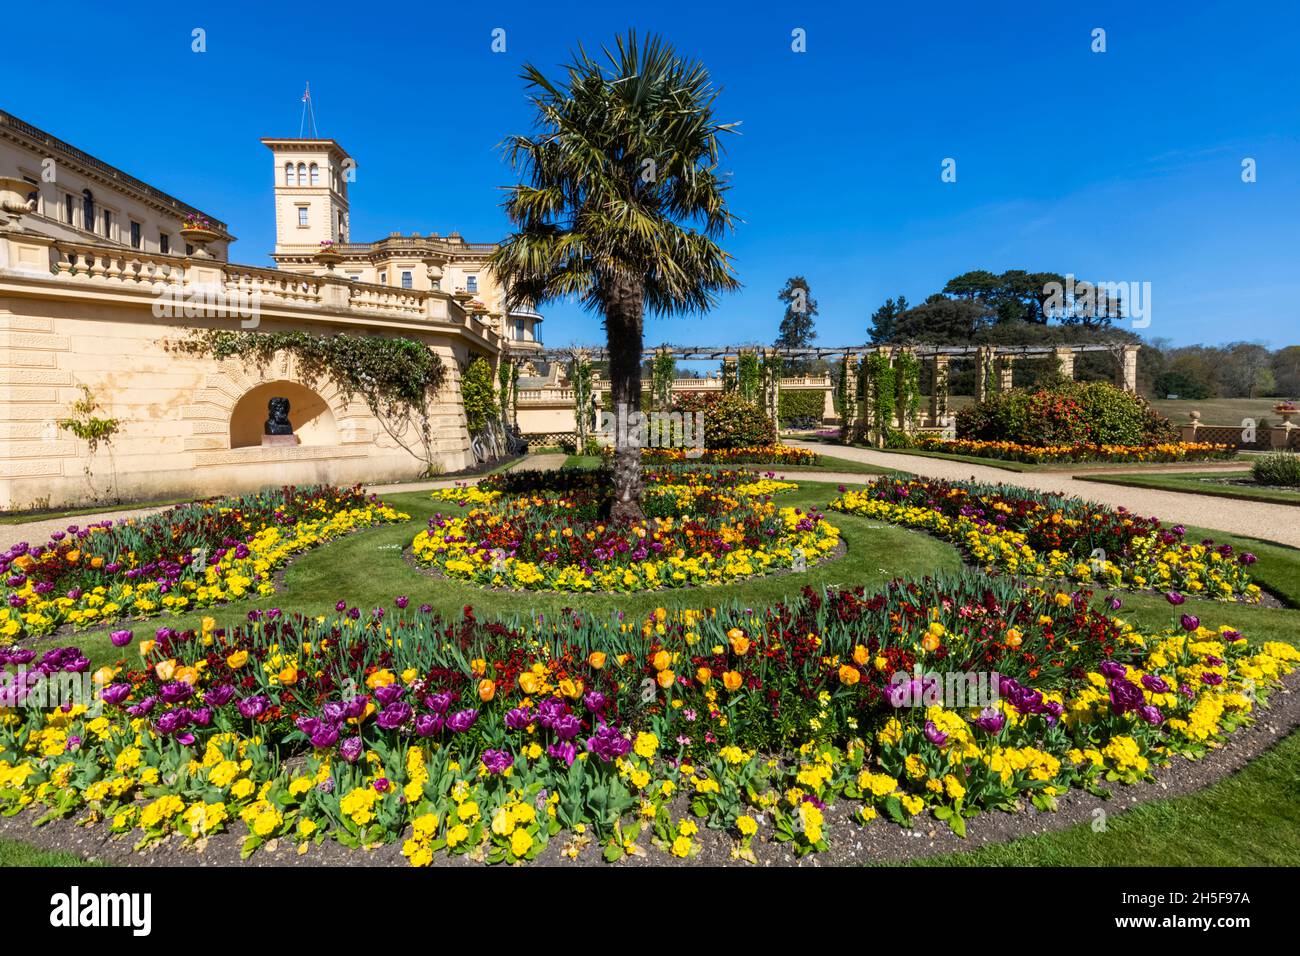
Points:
[[597, 659], [666, 678], [703, 675], [487, 689], [731, 680], [849, 675]]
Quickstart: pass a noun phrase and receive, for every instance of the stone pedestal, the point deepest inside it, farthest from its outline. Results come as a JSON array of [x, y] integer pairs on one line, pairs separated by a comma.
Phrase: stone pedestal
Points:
[[279, 440]]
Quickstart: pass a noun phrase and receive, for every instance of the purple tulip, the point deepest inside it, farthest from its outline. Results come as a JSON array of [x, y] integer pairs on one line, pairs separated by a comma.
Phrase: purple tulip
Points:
[[1190, 622], [1151, 715], [518, 718], [120, 638], [1155, 684], [1174, 598], [1112, 670], [497, 761], [219, 696], [114, 694], [1125, 696], [175, 691], [253, 707], [439, 703], [350, 749], [394, 715], [563, 751], [426, 725], [991, 721], [934, 734], [461, 721], [389, 693]]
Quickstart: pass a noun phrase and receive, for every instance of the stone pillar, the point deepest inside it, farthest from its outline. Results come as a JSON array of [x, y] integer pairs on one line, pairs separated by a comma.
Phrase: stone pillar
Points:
[[730, 373], [939, 389], [772, 387], [1126, 374], [849, 421], [1006, 372], [906, 421], [983, 372], [867, 408], [1065, 362]]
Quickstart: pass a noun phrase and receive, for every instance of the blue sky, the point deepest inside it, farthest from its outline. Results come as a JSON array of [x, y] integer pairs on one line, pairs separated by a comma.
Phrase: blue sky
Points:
[[1120, 166]]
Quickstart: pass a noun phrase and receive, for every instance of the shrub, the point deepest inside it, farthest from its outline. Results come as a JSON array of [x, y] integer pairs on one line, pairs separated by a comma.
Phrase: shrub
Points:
[[1277, 468], [729, 420], [801, 409], [1066, 413], [479, 395]]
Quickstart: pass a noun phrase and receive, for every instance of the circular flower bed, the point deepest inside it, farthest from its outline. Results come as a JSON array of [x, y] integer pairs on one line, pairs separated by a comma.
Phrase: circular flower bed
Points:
[[547, 533], [1047, 535], [929, 700], [186, 557]]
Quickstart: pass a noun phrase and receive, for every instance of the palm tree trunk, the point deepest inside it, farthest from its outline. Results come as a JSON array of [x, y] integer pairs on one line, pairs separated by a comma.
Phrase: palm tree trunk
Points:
[[624, 307]]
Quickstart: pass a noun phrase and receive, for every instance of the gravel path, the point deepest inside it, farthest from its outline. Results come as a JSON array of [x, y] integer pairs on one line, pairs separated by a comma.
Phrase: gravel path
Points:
[[1250, 518]]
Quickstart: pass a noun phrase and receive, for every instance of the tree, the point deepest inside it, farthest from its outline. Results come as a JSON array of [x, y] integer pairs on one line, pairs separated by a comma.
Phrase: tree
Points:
[[797, 330], [884, 320], [621, 206], [941, 320]]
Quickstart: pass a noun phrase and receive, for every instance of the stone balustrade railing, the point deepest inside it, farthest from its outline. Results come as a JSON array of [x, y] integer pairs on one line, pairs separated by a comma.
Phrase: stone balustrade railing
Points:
[[153, 273]]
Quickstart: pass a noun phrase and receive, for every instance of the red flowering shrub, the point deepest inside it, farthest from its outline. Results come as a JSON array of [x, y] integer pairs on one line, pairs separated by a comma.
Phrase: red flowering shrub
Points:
[[1068, 413]]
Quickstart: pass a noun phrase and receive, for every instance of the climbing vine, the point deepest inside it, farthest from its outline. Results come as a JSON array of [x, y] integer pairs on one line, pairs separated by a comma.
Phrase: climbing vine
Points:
[[663, 370], [478, 396], [508, 382], [580, 374], [881, 375], [749, 376], [93, 430], [397, 378], [907, 368]]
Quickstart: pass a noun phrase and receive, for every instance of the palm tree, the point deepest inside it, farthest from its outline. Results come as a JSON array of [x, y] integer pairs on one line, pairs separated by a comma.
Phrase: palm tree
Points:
[[621, 206]]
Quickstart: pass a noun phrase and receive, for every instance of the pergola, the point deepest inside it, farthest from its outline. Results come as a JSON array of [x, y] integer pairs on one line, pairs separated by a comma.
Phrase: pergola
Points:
[[995, 364]]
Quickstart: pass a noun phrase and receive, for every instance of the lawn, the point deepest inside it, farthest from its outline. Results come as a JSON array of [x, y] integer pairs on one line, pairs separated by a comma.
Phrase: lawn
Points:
[[826, 463], [1200, 483], [1216, 411]]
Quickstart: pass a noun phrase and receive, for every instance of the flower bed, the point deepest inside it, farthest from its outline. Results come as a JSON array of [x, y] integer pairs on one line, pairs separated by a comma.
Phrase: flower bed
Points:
[[1045, 535], [754, 455], [187, 557], [496, 738], [1040, 454], [547, 533]]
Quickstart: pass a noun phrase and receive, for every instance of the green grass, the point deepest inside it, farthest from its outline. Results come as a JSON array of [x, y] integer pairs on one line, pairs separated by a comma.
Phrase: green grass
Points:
[[1196, 484], [25, 517], [826, 463], [1251, 818], [1217, 411], [15, 853]]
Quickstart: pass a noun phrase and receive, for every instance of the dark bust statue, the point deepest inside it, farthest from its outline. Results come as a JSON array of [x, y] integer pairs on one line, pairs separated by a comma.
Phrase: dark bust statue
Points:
[[277, 422]]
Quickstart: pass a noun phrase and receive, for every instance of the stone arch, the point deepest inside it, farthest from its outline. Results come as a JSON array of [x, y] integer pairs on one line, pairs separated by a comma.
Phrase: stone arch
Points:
[[214, 405], [311, 416]]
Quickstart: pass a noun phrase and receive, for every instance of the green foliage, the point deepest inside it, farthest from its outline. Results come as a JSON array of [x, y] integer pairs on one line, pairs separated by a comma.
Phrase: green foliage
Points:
[[801, 409], [662, 372], [1277, 468], [86, 425], [392, 375], [1180, 383], [479, 396], [883, 383], [729, 420], [1068, 413], [907, 368], [749, 377]]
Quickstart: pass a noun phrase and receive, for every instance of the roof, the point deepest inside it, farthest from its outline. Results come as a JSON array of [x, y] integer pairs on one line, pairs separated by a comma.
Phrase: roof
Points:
[[90, 164]]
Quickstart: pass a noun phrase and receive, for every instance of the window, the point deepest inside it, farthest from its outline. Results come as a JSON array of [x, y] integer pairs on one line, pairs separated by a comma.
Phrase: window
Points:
[[354, 276], [189, 249], [87, 210], [302, 215], [290, 178], [34, 195], [519, 330], [471, 283], [383, 278], [407, 282], [69, 208], [315, 175], [164, 243], [135, 235], [302, 174], [108, 224]]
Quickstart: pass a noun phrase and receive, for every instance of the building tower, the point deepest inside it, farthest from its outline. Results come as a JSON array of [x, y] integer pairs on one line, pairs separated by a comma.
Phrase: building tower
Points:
[[311, 195]]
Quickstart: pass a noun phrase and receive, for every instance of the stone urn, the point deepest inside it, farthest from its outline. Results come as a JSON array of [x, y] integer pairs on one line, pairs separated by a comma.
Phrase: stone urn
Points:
[[329, 257], [1286, 410], [13, 200], [199, 237]]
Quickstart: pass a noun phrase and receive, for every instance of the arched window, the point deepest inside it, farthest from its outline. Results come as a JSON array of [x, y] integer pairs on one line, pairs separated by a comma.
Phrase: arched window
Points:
[[315, 175], [87, 210], [302, 174], [289, 178]]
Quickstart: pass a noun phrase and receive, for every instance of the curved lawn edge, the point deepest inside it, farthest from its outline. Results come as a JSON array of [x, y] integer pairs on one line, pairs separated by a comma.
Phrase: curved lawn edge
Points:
[[881, 842]]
